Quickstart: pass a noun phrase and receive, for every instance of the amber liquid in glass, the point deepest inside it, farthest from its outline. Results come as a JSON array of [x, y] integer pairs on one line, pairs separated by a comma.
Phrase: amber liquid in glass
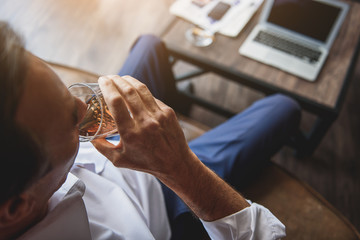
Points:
[[92, 120]]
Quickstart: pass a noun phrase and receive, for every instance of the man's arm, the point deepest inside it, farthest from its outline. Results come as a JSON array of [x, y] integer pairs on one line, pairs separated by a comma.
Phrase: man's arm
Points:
[[152, 141]]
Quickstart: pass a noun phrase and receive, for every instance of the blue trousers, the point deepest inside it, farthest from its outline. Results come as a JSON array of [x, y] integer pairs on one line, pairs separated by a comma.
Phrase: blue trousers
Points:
[[235, 150]]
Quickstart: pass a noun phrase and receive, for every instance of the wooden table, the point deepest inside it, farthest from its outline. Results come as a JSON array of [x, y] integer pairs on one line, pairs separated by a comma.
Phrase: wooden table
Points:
[[323, 97]]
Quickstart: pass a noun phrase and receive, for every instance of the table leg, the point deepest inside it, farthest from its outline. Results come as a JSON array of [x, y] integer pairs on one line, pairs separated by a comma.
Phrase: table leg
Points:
[[306, 145]]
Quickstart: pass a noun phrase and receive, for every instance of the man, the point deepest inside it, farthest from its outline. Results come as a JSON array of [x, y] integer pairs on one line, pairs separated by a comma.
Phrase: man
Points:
[[123, 198]]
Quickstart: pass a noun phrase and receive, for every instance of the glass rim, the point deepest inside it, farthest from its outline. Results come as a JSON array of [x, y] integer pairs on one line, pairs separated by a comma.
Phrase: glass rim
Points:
[[83, 138]]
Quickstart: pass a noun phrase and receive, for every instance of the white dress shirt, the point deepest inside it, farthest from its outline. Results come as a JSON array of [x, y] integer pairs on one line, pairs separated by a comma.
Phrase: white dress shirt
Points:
[[100, 201]]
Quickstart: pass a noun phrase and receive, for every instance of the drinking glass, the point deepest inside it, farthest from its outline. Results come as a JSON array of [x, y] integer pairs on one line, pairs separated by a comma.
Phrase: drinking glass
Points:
[[98, 121], [200, 37]]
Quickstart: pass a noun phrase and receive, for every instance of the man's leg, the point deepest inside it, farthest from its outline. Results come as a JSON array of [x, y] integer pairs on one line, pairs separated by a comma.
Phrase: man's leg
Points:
[[235, 149], [238, 149]]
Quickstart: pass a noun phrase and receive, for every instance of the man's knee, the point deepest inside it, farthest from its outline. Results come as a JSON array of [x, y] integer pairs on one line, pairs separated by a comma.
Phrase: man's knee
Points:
[[287, 107], [287, 103], [148, 41]]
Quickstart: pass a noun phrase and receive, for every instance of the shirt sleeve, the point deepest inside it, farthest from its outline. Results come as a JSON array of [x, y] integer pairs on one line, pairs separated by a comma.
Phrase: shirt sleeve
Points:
[[253, 222]]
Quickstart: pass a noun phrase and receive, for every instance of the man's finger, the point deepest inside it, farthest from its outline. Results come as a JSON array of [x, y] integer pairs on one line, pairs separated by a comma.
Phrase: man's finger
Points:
[[116, 104], [131, 96], [144, 93]]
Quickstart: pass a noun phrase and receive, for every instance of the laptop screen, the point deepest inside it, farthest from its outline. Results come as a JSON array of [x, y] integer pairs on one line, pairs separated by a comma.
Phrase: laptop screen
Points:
[[311, 18]]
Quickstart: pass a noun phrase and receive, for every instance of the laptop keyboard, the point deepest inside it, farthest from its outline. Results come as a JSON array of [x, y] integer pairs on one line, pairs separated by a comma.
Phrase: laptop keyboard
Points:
[[288, 46]]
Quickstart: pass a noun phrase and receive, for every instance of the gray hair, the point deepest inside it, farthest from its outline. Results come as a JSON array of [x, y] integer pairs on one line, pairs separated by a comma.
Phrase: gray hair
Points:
[[12, 70], [21, 157]]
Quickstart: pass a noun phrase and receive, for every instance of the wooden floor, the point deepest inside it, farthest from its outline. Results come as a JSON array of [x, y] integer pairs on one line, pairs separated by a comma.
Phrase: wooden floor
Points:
[[95, 35]]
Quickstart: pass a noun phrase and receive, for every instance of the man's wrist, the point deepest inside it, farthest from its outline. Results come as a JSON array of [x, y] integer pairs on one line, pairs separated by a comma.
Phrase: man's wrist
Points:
[[181, 171], [208, 196]]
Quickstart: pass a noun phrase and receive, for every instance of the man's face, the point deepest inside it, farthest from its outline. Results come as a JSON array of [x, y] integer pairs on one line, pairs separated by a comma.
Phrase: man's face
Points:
[[52, 114]]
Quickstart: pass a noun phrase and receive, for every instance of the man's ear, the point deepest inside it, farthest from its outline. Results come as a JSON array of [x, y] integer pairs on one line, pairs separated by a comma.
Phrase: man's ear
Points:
[[16, 210]]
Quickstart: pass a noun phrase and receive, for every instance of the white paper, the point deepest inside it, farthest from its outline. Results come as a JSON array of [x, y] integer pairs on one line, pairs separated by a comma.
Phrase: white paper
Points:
[[230, 24]]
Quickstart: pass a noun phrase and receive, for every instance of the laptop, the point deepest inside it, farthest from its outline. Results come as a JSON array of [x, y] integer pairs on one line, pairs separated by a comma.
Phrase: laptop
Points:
[[295, 35]]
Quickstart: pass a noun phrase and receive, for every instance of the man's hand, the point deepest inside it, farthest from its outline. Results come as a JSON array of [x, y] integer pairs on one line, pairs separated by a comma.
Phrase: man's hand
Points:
[[151, 140]]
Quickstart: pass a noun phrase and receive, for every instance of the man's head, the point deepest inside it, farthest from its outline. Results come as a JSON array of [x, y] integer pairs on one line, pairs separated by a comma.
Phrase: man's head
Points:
[[39, 133]]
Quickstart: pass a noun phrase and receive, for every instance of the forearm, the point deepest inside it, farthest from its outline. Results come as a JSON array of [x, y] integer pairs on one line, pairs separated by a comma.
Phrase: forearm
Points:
[[208, 196]]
